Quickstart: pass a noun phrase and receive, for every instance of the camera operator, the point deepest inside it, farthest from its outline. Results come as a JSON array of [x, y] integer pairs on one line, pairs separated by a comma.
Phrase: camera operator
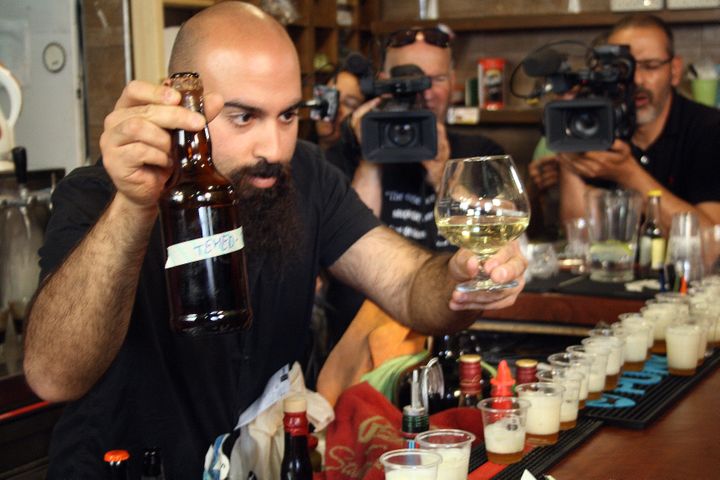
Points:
[[402, 195], [347, 82], [673, 148]]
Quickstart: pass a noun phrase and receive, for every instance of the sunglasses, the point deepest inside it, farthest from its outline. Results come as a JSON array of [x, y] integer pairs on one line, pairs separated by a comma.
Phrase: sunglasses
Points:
[[432, 36]]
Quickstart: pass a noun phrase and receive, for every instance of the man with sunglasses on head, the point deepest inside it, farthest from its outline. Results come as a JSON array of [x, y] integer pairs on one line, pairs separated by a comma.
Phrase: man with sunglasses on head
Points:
[[675, 146], [403, 195]]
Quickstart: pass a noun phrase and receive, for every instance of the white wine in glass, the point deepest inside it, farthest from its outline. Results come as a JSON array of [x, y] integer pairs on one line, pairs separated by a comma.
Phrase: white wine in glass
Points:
[[481, 205]]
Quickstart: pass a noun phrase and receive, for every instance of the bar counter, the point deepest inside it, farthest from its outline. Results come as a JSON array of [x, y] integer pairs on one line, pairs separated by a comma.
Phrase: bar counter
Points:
[[682, 444]]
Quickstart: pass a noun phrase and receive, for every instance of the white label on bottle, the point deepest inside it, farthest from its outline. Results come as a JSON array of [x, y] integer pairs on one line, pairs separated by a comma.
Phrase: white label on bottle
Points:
[[657, 255], [645, 251], [205, 247]]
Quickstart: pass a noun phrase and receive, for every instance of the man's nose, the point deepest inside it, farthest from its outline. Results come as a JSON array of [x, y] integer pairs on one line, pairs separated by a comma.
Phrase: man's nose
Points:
[[268, 142]]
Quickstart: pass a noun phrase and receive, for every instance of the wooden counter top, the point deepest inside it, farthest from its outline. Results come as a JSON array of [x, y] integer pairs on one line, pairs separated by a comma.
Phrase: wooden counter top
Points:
[[682, 444]]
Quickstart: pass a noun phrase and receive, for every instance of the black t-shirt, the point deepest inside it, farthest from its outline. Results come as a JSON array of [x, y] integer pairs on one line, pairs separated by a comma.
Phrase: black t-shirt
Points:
[[686, 156], [407, 207], [180, 393]]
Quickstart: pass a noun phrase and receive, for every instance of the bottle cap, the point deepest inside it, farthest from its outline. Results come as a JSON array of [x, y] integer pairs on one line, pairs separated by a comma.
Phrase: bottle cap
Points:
[[414, 420], [294, 404], [503, 381], [655, 193], [526, 363], [114, 456], [470, 358]]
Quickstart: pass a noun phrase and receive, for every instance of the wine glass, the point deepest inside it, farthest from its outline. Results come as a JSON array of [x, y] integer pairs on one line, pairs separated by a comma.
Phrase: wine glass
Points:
[[481, 205]]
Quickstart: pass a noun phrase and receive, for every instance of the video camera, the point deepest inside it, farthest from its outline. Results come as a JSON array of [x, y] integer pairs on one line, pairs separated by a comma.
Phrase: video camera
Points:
[[324, 104], [603, 104], [401, 130]]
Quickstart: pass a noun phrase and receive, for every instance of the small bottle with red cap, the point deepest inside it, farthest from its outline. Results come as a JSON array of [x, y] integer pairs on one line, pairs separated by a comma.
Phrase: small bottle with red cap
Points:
[[502, 383], [117, 464], [296, 463]]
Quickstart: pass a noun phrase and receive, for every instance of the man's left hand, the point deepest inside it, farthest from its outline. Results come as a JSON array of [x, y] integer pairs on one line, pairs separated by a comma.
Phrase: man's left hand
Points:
[[506, 265], [615, 164]]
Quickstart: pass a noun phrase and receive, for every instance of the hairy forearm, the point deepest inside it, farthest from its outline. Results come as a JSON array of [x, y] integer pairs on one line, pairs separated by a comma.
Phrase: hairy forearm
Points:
[[572, 195], [81, 313], [671, 204], [429, 297], [367, 184]]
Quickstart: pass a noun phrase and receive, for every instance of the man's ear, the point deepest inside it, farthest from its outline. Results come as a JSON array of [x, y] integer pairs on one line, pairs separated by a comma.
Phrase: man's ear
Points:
[[676, 69]]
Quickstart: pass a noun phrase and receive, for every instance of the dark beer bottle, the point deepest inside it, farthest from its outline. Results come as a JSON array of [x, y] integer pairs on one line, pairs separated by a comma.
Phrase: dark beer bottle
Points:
[[117, 464], [152, 468], [206, 268], [296, 463]]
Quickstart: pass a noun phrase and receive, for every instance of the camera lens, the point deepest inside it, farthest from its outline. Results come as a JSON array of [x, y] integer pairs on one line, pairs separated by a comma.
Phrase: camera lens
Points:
[[401, 134], [583, 125]]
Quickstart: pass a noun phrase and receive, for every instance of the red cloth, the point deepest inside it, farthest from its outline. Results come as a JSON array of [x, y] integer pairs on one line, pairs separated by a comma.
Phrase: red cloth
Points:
[[367, 425]]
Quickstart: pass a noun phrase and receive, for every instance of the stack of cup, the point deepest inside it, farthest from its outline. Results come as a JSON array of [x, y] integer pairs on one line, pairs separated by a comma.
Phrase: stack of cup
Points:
[[638, 333], [683, 340], [543, 415], [570, 380], [454, 448], [504, 424], [597, 360], [410, 464], [583, 364]]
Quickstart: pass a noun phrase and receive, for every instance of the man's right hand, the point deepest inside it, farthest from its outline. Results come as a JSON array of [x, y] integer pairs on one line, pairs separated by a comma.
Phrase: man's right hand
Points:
[[544, 172], [135, 143], [359, 113]]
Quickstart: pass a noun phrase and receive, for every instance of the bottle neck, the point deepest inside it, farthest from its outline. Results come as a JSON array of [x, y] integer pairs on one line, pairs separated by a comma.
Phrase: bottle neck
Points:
[[470, 378], [296, 424], [193, 149], [653, 209]]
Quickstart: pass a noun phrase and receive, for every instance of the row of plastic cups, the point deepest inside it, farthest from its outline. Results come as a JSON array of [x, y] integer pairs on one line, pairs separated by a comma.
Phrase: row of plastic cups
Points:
[[700, 305], [442, 455]]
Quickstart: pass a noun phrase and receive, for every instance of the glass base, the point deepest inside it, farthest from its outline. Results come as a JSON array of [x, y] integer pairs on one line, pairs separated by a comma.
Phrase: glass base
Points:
[[617, 276], [484, 285]]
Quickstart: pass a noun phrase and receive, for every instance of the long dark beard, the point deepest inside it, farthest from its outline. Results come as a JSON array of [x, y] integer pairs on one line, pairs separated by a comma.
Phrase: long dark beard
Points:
[[271, 225]]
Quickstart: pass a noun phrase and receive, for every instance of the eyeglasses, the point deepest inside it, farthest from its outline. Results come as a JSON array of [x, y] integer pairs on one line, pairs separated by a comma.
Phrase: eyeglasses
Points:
[[652, 64], [433, 36]]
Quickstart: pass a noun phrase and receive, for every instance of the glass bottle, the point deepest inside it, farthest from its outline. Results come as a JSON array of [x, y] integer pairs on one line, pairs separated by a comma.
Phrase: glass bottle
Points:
[[152, 468], [415, 419], [206, 269], [526, 370], [445, 349], [296, 463], [651, 251], [470, 380], [117, 464]]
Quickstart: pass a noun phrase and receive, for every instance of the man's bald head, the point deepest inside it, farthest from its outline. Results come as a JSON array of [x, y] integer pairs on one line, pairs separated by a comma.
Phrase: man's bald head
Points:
[[232, 23]]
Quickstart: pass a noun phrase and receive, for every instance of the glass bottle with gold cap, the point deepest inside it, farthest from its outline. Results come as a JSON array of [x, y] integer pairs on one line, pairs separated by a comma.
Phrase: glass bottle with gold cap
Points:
[[651, 248]]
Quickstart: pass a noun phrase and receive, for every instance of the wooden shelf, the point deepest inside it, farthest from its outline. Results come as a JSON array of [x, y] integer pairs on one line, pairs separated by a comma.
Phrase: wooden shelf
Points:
[[505, 116], [193, 4], [544, 22], [525, 116]]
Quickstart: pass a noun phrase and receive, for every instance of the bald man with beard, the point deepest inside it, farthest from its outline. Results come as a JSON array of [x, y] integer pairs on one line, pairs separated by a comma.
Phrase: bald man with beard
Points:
[[98, 335]]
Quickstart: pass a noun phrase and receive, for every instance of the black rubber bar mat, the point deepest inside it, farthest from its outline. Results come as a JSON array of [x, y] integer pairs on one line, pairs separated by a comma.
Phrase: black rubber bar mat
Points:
[[642, 396], [540, 458]]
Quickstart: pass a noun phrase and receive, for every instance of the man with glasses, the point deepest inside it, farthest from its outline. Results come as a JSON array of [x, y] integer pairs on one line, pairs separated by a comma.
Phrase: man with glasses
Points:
[[675, 145], [401, 195]]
